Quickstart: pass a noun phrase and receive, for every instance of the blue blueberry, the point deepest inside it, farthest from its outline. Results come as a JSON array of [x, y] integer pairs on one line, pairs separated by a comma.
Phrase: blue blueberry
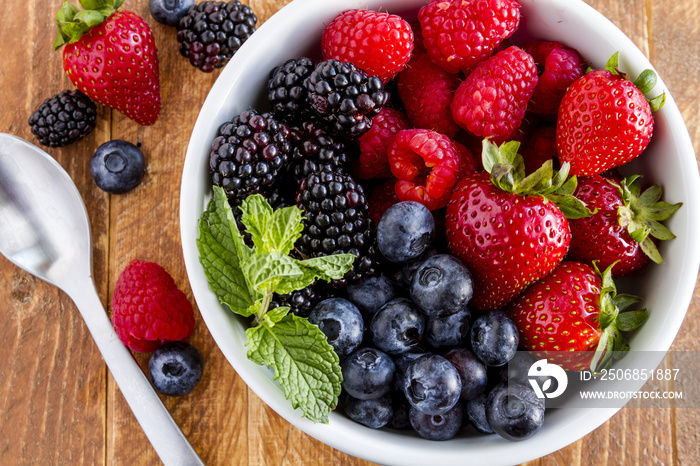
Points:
[[475, 411], [374, 413], [405, 231], [408, 271], [472, 372], [447, 331], [514, 411], [169, 11], [372, 293], [442, 285], [118, 166], [494, 338], [402, 361], [341, 322], [175, 368], [432, 384], [437, 426], [399, 419], [367, 374], [397, 327]]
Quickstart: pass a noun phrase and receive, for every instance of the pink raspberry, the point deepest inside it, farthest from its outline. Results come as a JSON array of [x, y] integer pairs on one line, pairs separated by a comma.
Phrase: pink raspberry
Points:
[[540, 147], [458, 34], [148, 309], [492, 100], [558, 67], [373, 162], [426, 91], [378, 43]]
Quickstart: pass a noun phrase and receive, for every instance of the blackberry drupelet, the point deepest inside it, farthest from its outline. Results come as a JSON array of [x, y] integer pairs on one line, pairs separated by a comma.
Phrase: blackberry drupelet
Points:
[[337, 221], [63, 119], [211, 32], [301, 302], [315, 150], [248, 154], [286, 92], [345, 97]]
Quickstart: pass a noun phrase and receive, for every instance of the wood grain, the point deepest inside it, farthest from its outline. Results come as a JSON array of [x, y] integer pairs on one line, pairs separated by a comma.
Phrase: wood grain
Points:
[[58, 403]]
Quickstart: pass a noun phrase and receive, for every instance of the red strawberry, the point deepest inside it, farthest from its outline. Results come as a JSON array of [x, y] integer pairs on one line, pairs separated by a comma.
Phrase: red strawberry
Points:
[[622, 229], [506, 227], [111, 57], [604, 119], [573, 317]]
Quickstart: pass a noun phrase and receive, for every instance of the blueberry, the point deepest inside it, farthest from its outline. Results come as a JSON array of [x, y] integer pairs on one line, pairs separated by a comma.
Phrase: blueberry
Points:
[[409, 269], [494, 338], [170, 11], [374, 413], [405, 231], [367, 374], [341, 322], [447, 331], [437, 426], [472, 372], [442, 285], [399, 419], [517, 369], [175, 368], [475, 411], [402, 361], [117, 166], [432, 384], [372, 293], [397, 327], [514, 411]]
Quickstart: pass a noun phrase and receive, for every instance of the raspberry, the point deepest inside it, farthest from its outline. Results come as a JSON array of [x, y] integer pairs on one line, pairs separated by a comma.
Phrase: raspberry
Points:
[[426, 91], [383, 197], [558, 66], [378, 43], [373, 162], [492, 100], [540, 147], [458, 34], [148, 309]]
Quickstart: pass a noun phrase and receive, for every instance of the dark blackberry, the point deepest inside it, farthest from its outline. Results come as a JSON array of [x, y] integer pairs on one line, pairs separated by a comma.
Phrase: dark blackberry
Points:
[[315, 150], [286, 92], [211, 32], [345, 97], [301, 302], [336, 221], [63, 119], [248, 154]]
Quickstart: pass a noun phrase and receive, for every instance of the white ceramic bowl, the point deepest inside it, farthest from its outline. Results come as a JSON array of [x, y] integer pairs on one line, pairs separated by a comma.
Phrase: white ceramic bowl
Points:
[[667, 289]]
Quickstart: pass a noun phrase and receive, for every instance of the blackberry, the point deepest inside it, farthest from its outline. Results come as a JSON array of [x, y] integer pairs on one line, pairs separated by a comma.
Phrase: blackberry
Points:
[[248, 154], [301, 302], [345, 97], [336, 221], [286, 92], [63, 119], [211, 32], [315, 150]]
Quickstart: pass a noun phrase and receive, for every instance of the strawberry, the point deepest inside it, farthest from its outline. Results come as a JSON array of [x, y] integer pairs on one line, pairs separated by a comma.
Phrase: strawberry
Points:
[[605, 120], [623, 228], [575, 315], [111, 57], [502, 225]]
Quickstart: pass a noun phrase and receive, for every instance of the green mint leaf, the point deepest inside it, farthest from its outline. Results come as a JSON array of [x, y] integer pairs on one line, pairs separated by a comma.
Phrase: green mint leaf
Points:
[[286, 228], [327, 268], [256, 216], [271, 230], [264, 272], [303, 362]]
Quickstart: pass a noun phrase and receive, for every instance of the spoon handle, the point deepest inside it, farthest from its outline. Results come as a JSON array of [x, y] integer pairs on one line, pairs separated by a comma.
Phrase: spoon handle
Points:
[[160, 428]]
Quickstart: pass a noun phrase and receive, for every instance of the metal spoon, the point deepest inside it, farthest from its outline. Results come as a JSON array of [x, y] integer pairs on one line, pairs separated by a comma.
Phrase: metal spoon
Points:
[[44, 229]]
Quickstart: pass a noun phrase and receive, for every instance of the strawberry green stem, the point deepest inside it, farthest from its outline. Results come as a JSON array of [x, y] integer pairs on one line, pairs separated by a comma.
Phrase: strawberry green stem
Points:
[[73, 23]]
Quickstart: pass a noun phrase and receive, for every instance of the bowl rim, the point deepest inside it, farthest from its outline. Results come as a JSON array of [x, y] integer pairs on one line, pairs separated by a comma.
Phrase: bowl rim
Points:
[[345, 435]]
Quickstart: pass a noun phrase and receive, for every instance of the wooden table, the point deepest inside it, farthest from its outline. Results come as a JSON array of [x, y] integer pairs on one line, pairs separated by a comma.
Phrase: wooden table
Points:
[[58, 402]]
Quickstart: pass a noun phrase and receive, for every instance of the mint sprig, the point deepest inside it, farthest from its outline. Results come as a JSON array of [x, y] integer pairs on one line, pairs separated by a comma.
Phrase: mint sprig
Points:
[[245, 278]]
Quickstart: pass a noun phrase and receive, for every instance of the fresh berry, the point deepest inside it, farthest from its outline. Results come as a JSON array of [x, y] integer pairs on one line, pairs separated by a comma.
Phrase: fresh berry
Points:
[[367, 374], [624, 227], [169, 12], [374, 413], [400, 418], [442, 285], [540, 146], [592, 147], [475, 411], [285, 89], [397, 327], [427, 165], [371, 294], [514, 411], [109, 65], [558, 66], [406, 274], [492, 100], [341, 322], [315, 150], [379, 43], [345, 97], [63, 119], [443, 332], [212, 32], [432, 384], [300, 302], [405, 231], [437, 426], [249, 154], [382, 197], [575, 310], [459, 34], [117, 166], [373, 161], [175, 368], [148, 309], [471, 371], [494, 338], [426, 92]]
